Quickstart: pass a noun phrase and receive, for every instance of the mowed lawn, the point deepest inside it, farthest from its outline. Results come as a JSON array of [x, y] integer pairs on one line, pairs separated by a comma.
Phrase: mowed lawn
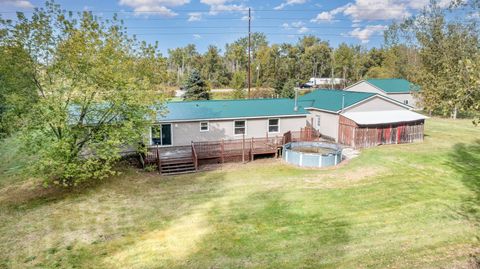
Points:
[[399, 206]]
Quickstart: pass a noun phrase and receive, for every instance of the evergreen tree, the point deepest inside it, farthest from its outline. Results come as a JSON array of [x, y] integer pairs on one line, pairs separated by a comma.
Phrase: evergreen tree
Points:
[[196, 88]]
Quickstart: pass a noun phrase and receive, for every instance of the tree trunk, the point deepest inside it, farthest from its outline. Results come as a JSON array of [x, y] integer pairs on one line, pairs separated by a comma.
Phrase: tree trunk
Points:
[[454, 113]]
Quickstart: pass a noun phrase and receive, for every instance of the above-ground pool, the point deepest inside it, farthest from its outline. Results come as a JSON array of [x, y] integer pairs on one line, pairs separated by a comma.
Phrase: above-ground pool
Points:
[[312, 154]]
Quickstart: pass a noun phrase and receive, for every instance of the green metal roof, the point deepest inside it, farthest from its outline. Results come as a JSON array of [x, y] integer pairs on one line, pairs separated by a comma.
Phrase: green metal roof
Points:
[[331, 100], [227, 109], [393, 85]]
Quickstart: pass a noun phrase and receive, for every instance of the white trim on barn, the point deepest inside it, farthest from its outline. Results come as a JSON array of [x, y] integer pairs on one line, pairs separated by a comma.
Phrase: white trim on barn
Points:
[[383, 117], [361, 102]]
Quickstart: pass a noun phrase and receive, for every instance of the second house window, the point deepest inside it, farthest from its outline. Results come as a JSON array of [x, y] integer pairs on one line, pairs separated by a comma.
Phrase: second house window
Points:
[[273, 125], [204, 126], [239, 127]]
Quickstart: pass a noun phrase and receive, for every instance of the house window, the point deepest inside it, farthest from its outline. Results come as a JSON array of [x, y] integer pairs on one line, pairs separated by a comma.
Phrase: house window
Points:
[[239, 127], [317, 120], [405, 102], [273, 125], [204, 126]]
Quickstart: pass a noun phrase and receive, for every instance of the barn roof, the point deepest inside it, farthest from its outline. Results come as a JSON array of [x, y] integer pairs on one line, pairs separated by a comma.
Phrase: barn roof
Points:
[[383, 117], [230, 109], [331, 100], [393, 85]]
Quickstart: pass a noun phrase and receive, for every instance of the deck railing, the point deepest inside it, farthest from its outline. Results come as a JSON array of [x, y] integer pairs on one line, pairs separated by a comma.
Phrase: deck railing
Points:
[[243, 149]]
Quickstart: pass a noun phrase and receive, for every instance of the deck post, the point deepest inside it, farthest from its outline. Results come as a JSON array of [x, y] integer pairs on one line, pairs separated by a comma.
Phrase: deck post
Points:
[[243, 149], [276, 146], [251, 149], [222, 150], [159, 167]]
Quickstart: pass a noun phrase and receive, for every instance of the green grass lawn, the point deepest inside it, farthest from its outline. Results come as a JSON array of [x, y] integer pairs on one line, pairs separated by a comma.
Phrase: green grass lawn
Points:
[[400, 206]]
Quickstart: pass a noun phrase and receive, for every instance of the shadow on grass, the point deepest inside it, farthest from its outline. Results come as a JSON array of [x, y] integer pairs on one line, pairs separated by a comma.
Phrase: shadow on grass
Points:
[[465, 159], [32, 193], [265, 231]]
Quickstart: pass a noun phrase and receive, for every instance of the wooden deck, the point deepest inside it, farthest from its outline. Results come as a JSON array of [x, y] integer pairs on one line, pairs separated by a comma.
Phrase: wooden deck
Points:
[[172, 160]]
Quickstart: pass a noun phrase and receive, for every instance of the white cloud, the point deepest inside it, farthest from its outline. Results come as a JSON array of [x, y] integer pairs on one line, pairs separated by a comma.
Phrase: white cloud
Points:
[[154, 7], [359, 10], [419, 4], [194, 16], [299, 26], [329, 15], [17, 3], [303, 30], [364, 34], [377, 10], [218, 6], [197, 36], [290, 3]]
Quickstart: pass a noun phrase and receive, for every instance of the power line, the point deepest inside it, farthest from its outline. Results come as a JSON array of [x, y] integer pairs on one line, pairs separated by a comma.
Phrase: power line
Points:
[[246, 34], [245, 10], [239, 27]]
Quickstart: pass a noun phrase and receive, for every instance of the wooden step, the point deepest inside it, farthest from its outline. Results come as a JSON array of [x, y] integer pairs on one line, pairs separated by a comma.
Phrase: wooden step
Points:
[[177, 160], [183, 165], [178, 169], [178, 173], [171, 171]]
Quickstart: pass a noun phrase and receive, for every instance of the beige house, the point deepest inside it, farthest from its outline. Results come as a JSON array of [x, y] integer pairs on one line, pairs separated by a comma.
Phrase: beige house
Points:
[[400, 90], [214, 120]]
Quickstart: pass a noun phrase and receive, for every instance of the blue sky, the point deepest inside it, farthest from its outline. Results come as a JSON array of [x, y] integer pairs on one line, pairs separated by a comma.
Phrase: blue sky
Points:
[[175, 23]]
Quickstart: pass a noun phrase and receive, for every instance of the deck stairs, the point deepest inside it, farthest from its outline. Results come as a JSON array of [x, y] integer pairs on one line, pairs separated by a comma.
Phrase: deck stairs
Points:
[[177, 165]]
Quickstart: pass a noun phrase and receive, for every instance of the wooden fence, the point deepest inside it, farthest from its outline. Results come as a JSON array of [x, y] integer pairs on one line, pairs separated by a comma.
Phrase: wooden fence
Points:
[[357, 136]]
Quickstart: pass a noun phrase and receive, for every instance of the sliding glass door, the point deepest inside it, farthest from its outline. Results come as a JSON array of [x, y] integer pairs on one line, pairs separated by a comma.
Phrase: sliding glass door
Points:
[[162, 134]]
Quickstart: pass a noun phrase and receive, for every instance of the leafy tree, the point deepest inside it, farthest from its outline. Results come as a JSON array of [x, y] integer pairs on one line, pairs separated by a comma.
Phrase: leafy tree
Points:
[[278, 87], [94, 87], [288, 90], [470, 77], [344, 59], [17, 91], [183, 60], [236, 54], [238, 85], [213, 67], [196, 88], [379, 72], [316, 59], [443, 46]]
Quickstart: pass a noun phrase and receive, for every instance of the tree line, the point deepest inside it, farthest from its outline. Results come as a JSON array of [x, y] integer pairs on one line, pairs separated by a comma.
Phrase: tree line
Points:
[[273, 65]]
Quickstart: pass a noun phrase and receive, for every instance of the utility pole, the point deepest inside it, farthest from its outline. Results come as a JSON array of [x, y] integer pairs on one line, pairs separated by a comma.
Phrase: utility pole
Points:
[[249, 49]]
